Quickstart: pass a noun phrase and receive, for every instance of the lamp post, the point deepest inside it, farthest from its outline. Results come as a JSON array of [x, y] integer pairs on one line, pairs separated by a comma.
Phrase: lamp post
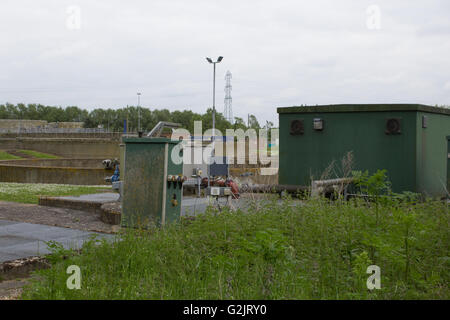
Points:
[[214, 97], [214, 106], [139, 111]]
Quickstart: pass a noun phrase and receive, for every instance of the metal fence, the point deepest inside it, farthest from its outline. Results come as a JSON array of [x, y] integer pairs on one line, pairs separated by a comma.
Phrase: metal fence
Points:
[[53, 130]]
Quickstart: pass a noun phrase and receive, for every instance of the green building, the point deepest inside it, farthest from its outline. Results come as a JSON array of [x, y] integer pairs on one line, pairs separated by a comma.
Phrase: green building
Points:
[[410, 141]]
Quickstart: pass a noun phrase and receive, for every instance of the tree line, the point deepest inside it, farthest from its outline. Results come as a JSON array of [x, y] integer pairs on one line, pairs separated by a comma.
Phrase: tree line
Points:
[[113, 119]]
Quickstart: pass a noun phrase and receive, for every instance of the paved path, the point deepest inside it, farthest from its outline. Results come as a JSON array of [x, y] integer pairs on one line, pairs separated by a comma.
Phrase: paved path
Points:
[[189, 206], [20, 239], [25, 227]]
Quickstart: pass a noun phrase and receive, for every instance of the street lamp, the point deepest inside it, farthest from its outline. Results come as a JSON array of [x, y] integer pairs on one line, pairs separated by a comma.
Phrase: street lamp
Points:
[[214, 99], [214, 107], [139, 111]]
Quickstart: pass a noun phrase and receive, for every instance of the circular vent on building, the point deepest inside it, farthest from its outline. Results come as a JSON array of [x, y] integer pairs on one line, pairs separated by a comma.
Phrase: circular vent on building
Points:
[[393, 126], [297, 127]]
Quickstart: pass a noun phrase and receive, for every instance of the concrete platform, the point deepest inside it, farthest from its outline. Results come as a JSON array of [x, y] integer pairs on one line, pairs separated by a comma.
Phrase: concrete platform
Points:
[[21, 240], [87, 202], [93, 202], [54, 216], [96, 197], [190, 205]]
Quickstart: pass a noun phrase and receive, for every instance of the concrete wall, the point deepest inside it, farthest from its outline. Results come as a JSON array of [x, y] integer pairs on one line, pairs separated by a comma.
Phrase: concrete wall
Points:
[[11, 124], [89, 135], [65, 125], [66, 147], [57, 163], [41, 171]]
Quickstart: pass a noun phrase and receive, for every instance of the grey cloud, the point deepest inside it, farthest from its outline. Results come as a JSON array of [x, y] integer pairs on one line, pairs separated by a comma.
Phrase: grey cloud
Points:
[[280, 53]]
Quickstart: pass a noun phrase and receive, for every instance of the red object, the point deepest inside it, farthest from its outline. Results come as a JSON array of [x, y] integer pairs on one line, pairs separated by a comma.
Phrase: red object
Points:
[[234, 188], [223, 183]]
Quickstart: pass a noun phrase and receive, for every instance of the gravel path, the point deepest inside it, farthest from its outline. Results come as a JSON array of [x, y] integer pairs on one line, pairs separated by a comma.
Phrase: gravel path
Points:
[[51, 216], [11, 289]]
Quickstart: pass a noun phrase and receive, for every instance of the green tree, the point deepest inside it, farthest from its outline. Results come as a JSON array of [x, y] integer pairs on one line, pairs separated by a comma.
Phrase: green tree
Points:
[[253, 122], [239, 124]]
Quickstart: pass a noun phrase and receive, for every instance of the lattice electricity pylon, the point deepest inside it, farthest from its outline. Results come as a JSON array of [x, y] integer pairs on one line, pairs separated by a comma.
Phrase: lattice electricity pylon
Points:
[[228, 109]]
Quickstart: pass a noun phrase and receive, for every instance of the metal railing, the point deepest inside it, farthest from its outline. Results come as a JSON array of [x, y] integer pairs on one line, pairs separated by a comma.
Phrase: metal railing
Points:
[[53, 130]]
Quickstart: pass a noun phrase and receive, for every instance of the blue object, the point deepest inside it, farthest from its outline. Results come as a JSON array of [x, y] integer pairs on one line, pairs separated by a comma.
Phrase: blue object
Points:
[[116, 176]]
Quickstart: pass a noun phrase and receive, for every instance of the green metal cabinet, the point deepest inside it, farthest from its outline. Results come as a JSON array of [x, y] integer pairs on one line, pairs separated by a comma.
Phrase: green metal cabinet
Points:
[[448, 164], [416, 157], [148, 196], [122, 160]]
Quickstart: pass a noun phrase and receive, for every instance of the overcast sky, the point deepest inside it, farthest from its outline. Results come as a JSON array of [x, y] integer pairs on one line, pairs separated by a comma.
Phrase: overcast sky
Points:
[[281, 53]]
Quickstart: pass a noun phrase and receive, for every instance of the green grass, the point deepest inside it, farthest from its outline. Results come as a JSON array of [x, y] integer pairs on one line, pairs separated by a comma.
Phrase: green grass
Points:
[[6, 156], [317, 250], [39, 155], [30, 192]]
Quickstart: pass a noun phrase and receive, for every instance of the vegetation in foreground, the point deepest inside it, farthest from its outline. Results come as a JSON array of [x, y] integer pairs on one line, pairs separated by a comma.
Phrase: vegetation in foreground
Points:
[[30, 192], [317, 250]]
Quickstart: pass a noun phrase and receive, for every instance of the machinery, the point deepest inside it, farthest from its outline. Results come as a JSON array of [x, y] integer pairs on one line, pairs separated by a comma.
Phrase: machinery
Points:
[[152, 190], [110, 164], [115, 178], [157, 131], [219, 184], [152, 181], [217, 172]]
